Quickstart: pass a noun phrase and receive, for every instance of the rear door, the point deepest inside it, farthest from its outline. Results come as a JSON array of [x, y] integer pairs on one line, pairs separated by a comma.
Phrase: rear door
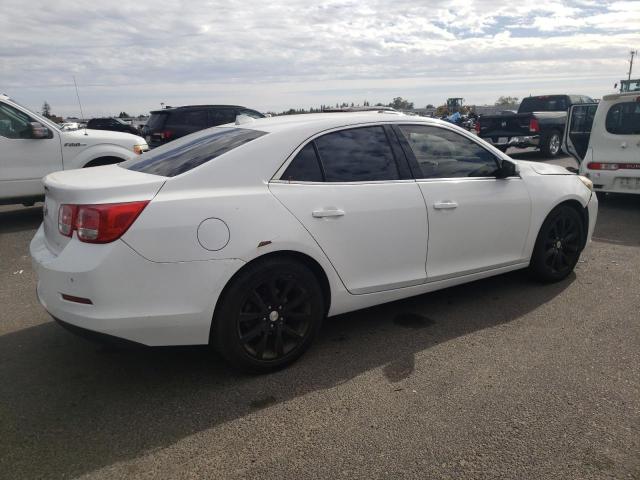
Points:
[[351, 189], [577, 132]]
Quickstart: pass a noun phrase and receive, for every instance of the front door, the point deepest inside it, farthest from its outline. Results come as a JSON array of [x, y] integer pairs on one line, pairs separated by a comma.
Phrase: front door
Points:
[[348, 190], [577, 131], [476, 221], [24, 160]]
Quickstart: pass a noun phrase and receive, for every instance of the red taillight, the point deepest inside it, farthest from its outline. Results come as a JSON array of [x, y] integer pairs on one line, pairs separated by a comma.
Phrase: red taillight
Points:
[[67, 219], [534, 126], [100, 223], [166, 134], [477, 127], [613, 166]]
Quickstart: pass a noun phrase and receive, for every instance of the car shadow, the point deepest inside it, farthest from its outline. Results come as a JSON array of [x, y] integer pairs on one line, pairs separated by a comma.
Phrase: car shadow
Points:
[[618, 219], [19, 219], [69, 407]]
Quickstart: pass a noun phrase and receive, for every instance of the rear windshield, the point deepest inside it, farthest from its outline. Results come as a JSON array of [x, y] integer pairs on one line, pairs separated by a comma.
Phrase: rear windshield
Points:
[[156, 121], [191, 151], [547, 103]]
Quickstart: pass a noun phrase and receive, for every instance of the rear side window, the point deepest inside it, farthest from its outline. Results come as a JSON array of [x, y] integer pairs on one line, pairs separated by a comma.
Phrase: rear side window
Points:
[[304, 167], [441, 153], [220, 116], [624, 119], [190, 118], [357, 155], [191, 151]]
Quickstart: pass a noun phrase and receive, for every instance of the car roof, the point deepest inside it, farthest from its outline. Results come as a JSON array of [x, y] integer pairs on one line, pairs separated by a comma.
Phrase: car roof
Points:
[[187, 107], [615, 96], [324, 121]]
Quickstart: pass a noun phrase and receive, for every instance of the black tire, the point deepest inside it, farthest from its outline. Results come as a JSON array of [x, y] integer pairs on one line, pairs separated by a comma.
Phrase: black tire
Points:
[[558, 246], [551, 144], [268, 316]]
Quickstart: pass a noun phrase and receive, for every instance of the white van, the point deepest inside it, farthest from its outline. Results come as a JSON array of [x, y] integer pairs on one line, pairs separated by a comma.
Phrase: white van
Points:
[[605, 139]]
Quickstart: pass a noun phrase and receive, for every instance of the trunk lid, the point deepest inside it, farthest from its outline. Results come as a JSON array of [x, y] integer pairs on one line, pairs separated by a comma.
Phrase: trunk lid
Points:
[[97, 185]]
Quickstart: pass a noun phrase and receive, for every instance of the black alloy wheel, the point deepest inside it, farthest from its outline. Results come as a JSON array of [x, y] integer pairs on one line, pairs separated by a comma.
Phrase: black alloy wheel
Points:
[[269, 316], [558, 245]]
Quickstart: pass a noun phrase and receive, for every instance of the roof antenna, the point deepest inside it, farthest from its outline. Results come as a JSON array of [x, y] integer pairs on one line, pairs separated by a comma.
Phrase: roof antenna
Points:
[[80, 104]]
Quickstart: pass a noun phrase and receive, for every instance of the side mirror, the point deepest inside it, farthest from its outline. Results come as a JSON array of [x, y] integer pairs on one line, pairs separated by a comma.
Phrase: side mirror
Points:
[[507, 169], [39, 131]]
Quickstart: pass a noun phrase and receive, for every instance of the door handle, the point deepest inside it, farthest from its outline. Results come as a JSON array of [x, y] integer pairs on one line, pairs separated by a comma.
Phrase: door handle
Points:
[[327, 212], [445, 205]]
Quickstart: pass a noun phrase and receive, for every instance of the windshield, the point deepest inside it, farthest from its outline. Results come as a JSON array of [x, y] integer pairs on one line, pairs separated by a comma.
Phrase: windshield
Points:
[[191, 151], [547, 103]]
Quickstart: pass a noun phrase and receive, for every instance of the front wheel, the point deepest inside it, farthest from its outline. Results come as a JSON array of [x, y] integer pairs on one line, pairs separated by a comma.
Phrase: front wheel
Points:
[[558, 245], [269, 315]]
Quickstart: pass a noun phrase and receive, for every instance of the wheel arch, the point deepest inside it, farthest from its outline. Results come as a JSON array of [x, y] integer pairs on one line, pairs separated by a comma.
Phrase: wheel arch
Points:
[[104, 160], [303, 258], [582, 212]]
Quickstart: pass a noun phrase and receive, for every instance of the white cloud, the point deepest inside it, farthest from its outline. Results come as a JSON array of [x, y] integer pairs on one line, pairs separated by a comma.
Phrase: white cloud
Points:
[[277, 54]]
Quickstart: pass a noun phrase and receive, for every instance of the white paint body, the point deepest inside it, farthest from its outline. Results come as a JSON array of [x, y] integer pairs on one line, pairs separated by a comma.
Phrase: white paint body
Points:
[[375, 241], [24, 162]]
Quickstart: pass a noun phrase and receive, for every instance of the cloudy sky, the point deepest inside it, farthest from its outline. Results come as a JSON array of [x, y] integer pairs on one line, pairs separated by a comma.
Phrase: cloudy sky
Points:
[[272, 55]]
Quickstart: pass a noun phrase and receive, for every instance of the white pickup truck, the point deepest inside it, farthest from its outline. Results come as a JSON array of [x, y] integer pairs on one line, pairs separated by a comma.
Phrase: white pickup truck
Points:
[[32, 146]]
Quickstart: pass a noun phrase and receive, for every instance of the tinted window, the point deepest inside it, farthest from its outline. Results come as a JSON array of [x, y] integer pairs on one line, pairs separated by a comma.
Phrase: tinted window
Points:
[[191, 118], [445, 154], [156, 121], [357, 155], [547, 103], [624, 119], [251, 113], [222, 116], [189, 152], [304, 167], [14, 123]]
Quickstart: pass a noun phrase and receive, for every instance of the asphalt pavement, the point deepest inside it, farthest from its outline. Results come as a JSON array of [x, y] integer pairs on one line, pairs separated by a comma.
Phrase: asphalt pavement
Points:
[[502, 378]]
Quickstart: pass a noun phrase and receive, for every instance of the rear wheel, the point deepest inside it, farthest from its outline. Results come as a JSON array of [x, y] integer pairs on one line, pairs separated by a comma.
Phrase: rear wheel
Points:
[[268, 316], [551, 144], [558, 245]]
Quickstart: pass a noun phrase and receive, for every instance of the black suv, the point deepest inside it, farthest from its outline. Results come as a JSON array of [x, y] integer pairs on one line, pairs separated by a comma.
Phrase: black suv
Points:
[[113, 124], [171, 123]]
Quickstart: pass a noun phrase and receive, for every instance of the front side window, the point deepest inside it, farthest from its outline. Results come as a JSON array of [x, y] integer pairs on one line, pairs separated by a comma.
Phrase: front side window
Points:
[[220, 116], [13, 123], [357, 155], [191, 151], [624, 119], [442, 153]]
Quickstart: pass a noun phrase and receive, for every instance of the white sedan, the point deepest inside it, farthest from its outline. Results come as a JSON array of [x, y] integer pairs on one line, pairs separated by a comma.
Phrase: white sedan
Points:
[[246, 236]]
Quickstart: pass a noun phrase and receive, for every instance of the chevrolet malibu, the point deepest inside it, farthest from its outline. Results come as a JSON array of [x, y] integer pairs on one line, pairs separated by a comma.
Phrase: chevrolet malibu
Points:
[[246, 236]]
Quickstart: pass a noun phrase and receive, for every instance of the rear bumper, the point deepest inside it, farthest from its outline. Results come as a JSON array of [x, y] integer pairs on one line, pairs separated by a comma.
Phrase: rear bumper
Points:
[[131, 297], [514, 141], [616, 181]]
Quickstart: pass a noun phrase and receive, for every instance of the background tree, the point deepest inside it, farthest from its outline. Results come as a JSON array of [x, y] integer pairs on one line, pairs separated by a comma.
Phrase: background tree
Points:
[[46, 110], [430, 106], [506, 101], [400, 103], [123, 115]]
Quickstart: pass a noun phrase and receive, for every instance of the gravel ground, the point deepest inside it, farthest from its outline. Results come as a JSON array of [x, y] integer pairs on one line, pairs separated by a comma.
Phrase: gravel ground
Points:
[[501, 378]]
